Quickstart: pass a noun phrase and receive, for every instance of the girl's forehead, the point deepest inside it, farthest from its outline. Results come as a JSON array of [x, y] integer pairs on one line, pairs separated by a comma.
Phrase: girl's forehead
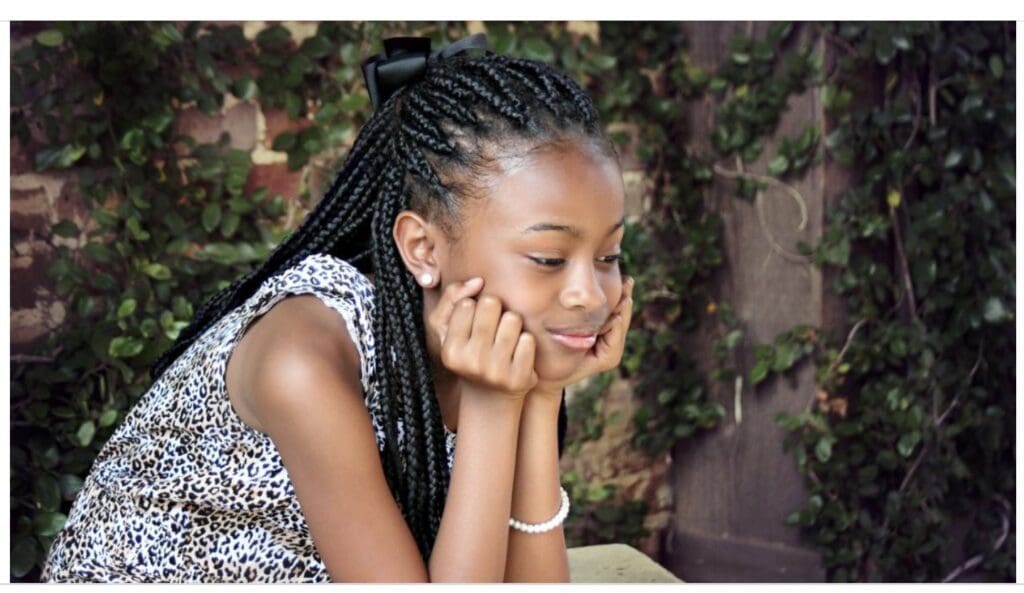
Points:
[[554, 186]]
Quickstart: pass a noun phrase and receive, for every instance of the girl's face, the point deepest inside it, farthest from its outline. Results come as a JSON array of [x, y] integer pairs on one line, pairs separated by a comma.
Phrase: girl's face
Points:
[[546, 241]]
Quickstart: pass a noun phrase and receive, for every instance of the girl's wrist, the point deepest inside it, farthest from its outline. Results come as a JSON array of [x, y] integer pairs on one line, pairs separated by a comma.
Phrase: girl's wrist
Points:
[[545, 399], [547, 391], [493, 402]]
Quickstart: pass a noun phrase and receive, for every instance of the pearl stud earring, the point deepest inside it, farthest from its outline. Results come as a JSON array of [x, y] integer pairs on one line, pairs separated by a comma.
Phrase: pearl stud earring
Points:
[[426, 279]]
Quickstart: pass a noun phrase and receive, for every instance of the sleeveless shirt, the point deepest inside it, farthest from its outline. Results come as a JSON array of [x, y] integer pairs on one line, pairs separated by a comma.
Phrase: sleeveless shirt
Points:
[[184, 490]]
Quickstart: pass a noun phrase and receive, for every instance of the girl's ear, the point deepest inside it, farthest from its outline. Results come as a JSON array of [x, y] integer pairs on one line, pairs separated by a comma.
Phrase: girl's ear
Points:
[[422, 246]]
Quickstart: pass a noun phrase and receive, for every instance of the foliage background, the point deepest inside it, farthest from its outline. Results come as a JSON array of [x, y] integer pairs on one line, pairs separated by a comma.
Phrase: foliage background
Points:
[[913, 423]]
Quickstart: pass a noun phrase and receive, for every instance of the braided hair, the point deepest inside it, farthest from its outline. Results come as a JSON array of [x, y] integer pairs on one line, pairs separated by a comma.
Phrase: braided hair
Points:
[[428, 147]]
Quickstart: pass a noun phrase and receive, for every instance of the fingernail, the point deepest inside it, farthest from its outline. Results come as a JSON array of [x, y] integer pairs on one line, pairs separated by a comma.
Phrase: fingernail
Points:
[[474, 281]]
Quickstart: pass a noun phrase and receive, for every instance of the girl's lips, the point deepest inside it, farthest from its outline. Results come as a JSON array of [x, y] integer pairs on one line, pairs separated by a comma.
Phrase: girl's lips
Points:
[[580, 343]]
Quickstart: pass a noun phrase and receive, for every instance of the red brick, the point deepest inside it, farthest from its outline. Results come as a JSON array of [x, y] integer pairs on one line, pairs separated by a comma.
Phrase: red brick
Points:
[[239, 122], [277, 178], [21, 160], [278, 123], [70, 205], [30, 211], [24, 281]]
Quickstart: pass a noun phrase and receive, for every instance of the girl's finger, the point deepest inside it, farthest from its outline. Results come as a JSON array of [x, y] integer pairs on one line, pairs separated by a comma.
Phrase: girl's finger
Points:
[[627, 289], [485, 322], [612, 343], [440, 317], [505, 339], [522, 358], [461, 323]]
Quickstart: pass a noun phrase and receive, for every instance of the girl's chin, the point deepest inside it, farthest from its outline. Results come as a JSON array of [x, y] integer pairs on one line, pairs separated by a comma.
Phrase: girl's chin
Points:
[[558, 367]]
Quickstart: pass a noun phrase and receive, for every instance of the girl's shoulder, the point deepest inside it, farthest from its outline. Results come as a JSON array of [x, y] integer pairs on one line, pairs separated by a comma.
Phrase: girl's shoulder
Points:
[[321, 300]]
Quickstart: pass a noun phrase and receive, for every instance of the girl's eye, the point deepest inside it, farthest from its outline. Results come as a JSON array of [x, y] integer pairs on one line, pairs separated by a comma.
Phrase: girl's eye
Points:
[[547, 262], [555, 262]]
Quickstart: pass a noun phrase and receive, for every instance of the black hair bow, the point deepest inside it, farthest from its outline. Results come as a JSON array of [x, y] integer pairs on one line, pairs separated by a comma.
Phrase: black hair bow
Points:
[[405, 59]]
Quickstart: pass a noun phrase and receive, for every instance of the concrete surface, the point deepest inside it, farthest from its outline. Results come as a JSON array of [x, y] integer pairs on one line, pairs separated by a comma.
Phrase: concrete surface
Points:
[[615, 563]]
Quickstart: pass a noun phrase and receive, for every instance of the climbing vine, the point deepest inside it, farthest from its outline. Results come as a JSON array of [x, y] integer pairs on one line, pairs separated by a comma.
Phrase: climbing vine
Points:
[[910, 433]]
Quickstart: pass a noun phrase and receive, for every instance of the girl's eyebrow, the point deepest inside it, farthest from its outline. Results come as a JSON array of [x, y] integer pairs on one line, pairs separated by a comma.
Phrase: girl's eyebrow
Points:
[[565, 228]]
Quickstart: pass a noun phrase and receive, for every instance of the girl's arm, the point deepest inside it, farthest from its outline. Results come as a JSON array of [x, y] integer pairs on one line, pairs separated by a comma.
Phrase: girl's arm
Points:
[[307, 397], [473, 538], [537, 557]]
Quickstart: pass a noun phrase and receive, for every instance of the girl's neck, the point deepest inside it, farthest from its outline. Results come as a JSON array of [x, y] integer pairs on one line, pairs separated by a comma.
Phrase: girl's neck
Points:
[[446, 384]]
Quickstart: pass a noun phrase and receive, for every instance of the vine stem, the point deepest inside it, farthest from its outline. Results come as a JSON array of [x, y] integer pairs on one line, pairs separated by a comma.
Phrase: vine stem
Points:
[[977, 559], [30, 359], [800, 200], [917, 118], [830, 36], [839, 358], [937, 423], [904, 266], [956, 399], [932, 91]]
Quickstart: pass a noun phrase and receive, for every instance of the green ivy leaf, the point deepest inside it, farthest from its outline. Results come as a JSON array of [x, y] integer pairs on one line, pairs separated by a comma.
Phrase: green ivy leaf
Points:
[[230, 224], [293, 105], [597, 493], [47, 492], [49, 523], [953, 158], [23, 555], [59, 158], [604, 62], [99, 252], [70, 485], [148, 328], [166, 35], [85, 433], [274, 37], [905, 446], [316, 46], [778, 166], [211, 217], [994, 310], [135, 228], [107, 418], [838, 253], [157, 271], [50, 38], [995, 64], [823, 450], [65, 228], [133, 140], [245, 88], [126, 309], [284, 142], [885, 49], [785, 355], [740, 57], [537, 49], [124, 347], [759, 372], [182, 307]]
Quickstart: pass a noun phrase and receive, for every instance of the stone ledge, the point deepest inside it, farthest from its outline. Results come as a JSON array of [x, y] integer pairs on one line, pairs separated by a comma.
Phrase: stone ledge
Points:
[[615, 563]]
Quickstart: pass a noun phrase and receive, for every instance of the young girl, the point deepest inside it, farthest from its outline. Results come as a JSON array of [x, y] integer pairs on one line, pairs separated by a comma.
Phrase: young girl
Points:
[[460, 271]]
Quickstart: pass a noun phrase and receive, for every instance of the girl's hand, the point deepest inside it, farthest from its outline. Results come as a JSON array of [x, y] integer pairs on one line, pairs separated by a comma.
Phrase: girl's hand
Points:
[[483, 346], [606, 353]]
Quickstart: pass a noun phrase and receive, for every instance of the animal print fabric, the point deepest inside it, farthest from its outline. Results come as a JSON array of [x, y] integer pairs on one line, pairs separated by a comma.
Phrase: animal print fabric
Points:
[[184, 491]]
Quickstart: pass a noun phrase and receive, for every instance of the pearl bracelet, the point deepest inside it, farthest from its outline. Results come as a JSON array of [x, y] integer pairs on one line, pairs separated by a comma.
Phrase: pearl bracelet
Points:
[[563, 512]]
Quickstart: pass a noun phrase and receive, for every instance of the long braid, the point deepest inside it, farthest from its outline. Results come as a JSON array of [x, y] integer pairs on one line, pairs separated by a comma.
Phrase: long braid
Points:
[[413, 153]]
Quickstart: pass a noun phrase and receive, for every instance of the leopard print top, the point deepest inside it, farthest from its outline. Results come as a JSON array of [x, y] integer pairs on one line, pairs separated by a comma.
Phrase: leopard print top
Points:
[[184, 491]]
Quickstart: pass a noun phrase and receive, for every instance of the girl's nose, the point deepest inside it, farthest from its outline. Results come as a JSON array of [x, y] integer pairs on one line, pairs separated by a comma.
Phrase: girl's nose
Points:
[[584, 290]]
